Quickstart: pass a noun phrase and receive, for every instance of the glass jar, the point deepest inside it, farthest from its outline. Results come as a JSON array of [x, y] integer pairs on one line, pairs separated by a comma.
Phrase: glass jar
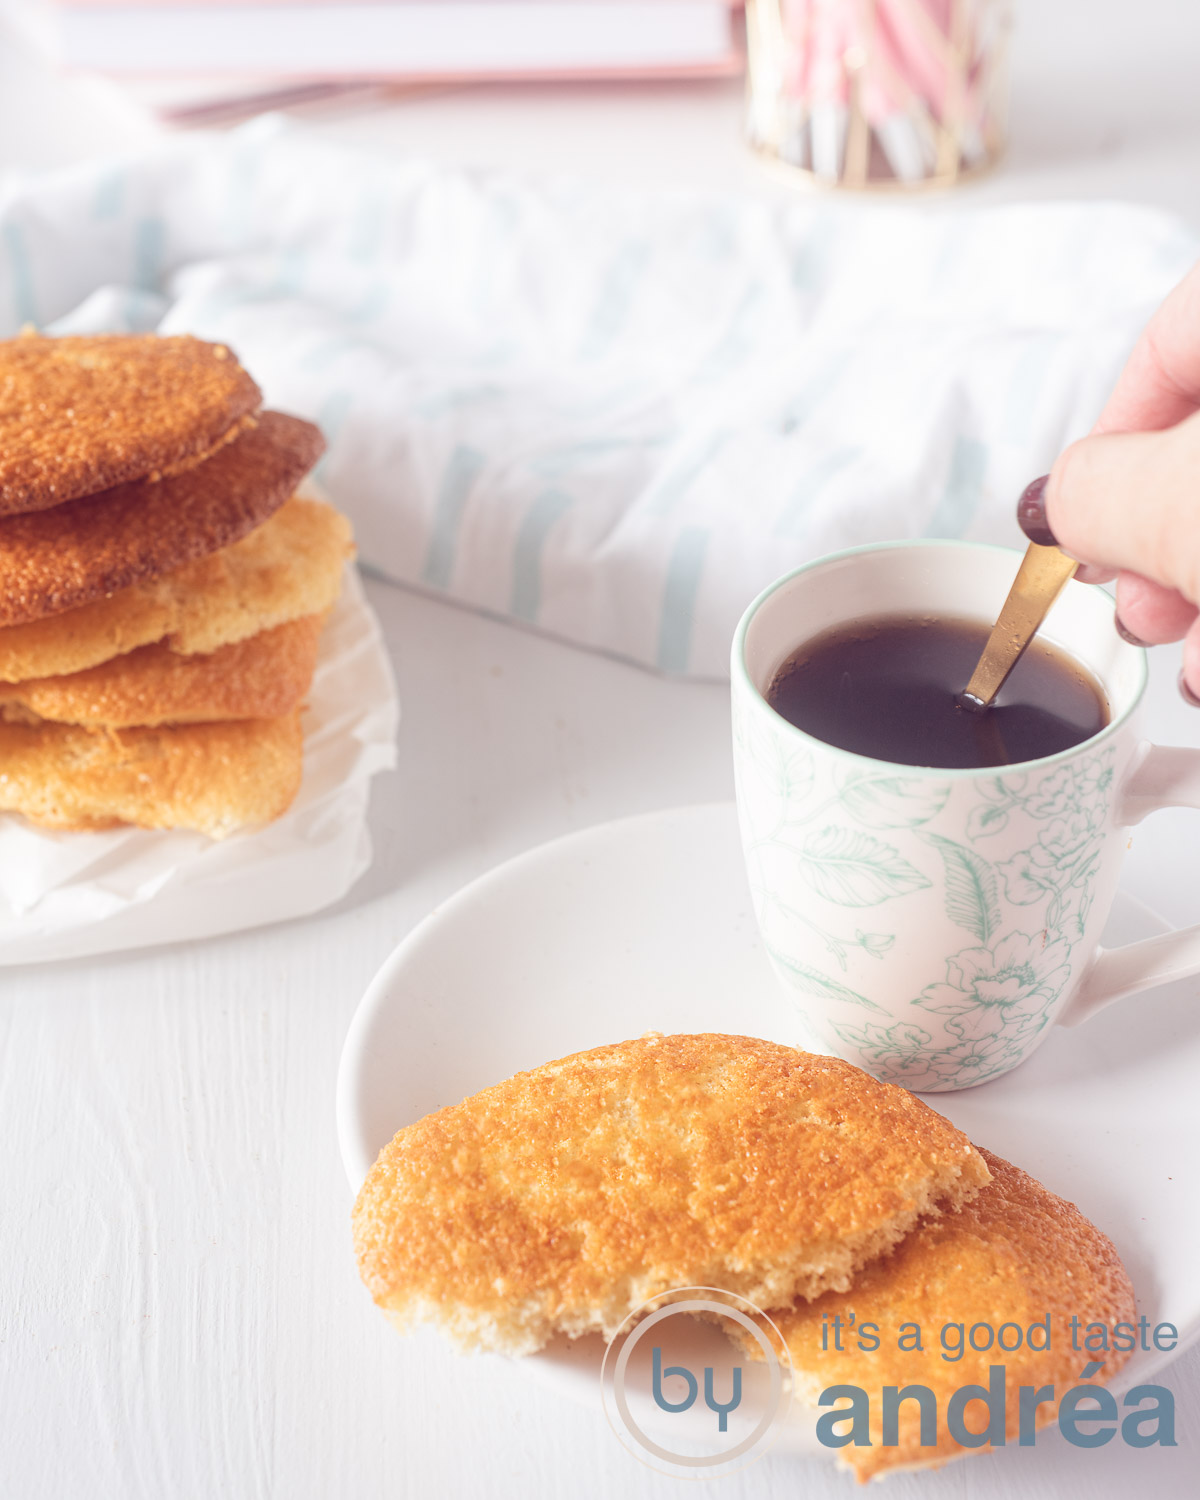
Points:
[[896, 94]]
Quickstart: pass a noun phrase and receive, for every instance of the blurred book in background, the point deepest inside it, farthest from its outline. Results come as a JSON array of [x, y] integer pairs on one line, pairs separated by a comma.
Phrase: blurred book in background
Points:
[[193, 61]]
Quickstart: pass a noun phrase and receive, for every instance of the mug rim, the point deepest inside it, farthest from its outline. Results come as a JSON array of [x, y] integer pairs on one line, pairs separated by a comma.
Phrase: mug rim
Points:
[[959, 773]]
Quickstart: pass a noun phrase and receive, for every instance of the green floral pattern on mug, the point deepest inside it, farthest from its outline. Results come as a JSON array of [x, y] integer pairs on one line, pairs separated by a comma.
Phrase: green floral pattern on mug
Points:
[[860, 852]]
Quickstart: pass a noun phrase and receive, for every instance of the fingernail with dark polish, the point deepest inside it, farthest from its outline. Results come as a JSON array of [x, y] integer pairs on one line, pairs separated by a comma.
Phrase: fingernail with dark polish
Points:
[[1128, 635], [1188, 695], [1031, 513]]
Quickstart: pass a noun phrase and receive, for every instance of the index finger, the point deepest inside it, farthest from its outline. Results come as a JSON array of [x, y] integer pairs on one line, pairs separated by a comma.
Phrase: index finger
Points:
[[1160, 384]]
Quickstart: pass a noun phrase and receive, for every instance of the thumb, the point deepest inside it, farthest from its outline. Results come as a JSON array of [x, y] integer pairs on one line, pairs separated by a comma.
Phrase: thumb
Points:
[[1131, 501]]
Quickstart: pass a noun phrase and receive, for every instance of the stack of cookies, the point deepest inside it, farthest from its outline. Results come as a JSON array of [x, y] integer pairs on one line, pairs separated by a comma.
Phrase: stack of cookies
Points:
[[162, 587]]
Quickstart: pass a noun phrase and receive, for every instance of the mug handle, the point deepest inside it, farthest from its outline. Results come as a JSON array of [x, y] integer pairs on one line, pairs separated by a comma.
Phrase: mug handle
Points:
[[1168, 776]]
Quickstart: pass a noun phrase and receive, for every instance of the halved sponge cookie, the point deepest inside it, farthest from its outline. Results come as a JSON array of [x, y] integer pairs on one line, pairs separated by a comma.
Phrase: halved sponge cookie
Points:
[[562, 1199]]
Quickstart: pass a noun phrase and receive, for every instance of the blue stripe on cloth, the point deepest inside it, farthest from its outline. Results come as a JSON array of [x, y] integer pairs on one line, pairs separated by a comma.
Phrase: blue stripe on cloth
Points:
[[291, 265], [109, 198], [1025, 388], [615, 298], [367, 226], [372, 305], [462, 471], [329, 419], [23, 306], [536, 526], [736, 341], [956, 509], [149, 246], [680, 587], [143, 311], [495, 239], [812, 390], [241, 189], [811, 259], [790, 520]]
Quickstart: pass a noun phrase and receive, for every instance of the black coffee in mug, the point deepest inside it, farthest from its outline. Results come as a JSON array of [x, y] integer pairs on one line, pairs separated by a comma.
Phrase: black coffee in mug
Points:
[[887, 686]]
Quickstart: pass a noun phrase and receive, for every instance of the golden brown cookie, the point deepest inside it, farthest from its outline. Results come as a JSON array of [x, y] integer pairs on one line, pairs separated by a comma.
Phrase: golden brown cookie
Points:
[[562, 1199], [1011, 1256], [289, 566], [264, 677], [214, 778], [80, 415], [53, 560]]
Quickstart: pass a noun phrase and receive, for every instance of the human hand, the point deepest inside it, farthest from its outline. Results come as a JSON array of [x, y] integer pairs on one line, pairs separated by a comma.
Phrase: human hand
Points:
[[1126, 499]]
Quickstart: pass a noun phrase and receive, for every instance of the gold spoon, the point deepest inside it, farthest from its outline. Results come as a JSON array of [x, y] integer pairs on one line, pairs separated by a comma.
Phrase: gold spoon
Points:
[[1042, 576]]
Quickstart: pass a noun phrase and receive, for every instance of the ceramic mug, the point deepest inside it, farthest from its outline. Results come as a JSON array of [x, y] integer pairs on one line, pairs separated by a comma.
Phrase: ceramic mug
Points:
[[934, 924]]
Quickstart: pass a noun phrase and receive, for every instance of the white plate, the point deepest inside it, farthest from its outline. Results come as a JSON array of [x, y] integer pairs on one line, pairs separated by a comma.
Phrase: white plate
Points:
[[646, 924]]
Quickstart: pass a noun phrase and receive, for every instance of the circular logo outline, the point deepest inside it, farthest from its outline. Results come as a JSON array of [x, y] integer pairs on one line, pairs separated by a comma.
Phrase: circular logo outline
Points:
[[772, 1419]]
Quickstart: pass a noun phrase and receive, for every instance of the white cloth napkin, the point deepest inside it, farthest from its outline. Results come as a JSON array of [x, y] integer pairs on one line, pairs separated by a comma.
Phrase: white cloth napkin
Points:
[[614, 416]]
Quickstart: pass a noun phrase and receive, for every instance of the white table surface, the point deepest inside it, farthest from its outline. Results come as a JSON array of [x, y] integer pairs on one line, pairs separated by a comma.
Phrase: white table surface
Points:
[[179, 1310]]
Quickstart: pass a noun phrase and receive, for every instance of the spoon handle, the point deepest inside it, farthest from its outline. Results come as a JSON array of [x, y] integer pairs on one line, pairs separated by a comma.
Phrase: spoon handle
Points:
[[1042, 576]]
